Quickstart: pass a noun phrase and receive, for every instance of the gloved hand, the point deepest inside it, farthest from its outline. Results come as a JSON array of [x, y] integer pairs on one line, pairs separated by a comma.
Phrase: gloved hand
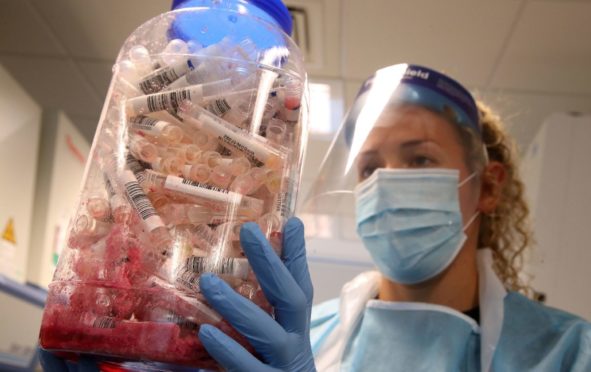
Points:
[[283, 342], [52, 363]]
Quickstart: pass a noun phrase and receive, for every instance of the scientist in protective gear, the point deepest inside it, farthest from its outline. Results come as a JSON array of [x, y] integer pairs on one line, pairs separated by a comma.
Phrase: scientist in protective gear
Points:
[[440, 207]]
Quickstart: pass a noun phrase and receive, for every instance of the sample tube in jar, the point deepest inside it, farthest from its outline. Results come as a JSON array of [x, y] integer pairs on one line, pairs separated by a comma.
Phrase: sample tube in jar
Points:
[[171, 100], [256, 150], [208, 195], [161, 130]]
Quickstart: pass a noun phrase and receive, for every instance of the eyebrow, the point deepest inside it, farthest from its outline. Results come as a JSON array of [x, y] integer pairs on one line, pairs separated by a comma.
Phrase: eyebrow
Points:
[[404, 146], [414, 143]]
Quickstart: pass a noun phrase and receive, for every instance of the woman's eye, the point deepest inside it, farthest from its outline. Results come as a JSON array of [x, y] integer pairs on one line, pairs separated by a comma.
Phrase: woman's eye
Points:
[[366, 172], [421, 161]]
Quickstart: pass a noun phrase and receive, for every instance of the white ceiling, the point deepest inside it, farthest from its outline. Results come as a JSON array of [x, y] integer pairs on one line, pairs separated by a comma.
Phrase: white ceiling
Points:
[[527, 58]]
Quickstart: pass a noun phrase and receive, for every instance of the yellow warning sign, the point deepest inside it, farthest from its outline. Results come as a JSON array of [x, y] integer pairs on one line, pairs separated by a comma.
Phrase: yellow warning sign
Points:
[[8, 233]]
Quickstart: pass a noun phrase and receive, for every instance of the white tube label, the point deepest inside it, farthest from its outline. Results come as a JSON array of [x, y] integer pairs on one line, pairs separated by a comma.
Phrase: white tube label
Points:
[[169, 100], [201, 190], [257, 152], [140, 202], [147, 125]]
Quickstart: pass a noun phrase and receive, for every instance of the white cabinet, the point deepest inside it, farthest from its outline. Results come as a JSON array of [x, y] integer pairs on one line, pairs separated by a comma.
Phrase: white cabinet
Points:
[[61, 167], [557, 173], [20, 124]]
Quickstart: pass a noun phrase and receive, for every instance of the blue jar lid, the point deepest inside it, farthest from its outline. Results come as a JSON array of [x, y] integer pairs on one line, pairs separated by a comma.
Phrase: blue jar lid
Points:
[[274, 8]]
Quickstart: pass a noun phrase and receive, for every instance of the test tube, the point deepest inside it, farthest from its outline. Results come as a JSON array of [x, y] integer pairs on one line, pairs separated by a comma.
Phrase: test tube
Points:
[[165, 76], [207, 195], [244, 184], [170, 100], [158, 199], [202, 235], [197, 172], [187, 306], [234, 266], [98, 206], [221, 176], [87, 231], [257, 151], [128, 181], [275, 131], [120, 208], [273, 182], [293, 94], [168, 164], [191, 153], [210, 158], [269, 223], [161, 130], [88, 226], [289, 115], [175, 50], [185, 213], [140, 57], [143, 149], [237, 166]]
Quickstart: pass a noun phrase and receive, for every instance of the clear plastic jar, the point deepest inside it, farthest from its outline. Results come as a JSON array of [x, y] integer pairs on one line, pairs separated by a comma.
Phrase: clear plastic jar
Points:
[[203, 129]]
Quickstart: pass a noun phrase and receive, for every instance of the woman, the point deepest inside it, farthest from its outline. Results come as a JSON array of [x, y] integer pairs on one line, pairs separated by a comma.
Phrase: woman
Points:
[[439, 206]]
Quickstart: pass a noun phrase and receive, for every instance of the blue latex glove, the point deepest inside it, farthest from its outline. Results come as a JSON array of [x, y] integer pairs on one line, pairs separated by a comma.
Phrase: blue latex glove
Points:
[[283, 342], [52, 363]]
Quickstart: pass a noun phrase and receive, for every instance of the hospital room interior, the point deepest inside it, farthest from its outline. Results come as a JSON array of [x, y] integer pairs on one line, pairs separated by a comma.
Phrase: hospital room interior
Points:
[[61, 67]]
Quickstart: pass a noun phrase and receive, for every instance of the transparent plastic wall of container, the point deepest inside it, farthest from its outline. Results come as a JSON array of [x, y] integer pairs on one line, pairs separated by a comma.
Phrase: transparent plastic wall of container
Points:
[[198, 135]]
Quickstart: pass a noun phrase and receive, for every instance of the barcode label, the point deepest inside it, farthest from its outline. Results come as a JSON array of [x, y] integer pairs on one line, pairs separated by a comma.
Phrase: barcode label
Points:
[[201, 190], [199, 265], [196, 264], [160, 79], [237, 267], [146, 124], [232, 142], [135, 167], [143, 121], [183, 323], [284, 199], [140, 202], [235, 138], [189, 280], [219, 107], [167, 100], [205, 233], [204, 185], [104, 322]]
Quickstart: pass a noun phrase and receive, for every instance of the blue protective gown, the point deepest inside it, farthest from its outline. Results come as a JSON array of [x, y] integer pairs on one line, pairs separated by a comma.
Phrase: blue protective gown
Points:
[[358, 333]]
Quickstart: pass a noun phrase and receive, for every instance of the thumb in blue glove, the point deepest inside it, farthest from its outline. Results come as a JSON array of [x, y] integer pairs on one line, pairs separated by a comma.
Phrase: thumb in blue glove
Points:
[[284, 342]]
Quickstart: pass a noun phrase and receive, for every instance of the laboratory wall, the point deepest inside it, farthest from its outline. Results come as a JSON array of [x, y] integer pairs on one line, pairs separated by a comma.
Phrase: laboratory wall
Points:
[[20, 125], [557, 175], [61, 166]]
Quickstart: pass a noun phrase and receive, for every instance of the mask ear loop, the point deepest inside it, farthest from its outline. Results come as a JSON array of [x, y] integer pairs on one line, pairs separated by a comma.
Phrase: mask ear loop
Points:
[[475, 213], [472, 219], [466, 179]]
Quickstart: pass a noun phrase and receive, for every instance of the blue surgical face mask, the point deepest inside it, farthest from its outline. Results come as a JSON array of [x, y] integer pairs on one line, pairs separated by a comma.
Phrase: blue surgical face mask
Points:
[[410, 221]]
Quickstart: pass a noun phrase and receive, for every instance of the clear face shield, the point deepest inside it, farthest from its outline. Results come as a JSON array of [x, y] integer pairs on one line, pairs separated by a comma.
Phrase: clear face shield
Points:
[[405, 117]]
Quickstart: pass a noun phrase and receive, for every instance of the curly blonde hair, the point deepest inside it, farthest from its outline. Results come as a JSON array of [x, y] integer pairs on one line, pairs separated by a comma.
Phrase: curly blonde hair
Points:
[[506, 231]]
